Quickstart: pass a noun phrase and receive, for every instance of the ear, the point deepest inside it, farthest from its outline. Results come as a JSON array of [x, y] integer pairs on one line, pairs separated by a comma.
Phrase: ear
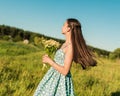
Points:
[[68, 29]]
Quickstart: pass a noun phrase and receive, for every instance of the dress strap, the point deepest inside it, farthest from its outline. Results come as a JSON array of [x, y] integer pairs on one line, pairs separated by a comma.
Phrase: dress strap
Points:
[[66, 45]]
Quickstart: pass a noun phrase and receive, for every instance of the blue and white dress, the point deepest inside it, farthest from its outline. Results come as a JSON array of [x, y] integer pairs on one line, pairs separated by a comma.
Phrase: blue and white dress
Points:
[[54, 83]]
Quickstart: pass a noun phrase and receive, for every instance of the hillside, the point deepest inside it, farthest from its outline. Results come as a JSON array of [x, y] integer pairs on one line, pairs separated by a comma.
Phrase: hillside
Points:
[[14, 34], [21, 71]]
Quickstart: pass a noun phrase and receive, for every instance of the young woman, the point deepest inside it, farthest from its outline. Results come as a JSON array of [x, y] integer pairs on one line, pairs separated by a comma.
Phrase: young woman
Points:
[[58, 80]]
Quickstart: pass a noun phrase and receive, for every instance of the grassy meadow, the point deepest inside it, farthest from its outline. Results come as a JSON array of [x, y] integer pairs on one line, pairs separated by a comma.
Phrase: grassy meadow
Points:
[[21, 71]]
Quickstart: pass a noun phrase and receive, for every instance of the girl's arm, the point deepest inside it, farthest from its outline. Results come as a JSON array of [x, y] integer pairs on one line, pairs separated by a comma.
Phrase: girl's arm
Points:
[[67, 62]]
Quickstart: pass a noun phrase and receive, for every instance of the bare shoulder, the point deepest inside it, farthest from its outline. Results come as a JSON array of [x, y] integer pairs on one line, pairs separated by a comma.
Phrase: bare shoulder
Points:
[[69, 49]]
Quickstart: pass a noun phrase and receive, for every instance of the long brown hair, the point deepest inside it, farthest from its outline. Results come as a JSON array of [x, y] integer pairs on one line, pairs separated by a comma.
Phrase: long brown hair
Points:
[[81, 53]]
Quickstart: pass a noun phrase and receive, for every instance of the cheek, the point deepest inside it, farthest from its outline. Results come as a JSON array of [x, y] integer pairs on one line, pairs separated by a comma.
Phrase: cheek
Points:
[[64, 29]]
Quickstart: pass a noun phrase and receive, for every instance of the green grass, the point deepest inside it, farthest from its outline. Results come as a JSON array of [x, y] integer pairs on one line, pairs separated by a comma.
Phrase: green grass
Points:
[[21, 71], [102, 80]]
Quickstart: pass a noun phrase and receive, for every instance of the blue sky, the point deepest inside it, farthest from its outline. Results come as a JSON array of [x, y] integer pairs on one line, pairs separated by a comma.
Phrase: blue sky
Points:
[[100, 19]]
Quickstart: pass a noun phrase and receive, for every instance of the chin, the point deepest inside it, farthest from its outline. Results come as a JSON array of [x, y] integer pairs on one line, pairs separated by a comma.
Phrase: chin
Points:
[[63, 33]]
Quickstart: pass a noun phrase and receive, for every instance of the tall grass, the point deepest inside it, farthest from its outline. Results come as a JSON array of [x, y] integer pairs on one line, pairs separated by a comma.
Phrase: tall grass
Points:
[[21, 71], [102, 80]]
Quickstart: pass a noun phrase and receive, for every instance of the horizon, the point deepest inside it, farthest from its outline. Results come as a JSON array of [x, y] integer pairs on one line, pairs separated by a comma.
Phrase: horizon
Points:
[[99, 19], [54, 37]]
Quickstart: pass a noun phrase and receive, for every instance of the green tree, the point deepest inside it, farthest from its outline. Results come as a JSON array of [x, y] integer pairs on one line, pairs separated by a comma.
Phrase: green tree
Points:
[[115, 54], [37, 40]]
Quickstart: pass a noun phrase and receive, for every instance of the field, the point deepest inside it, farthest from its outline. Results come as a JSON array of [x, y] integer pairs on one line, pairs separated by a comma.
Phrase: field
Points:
[[21, 71]]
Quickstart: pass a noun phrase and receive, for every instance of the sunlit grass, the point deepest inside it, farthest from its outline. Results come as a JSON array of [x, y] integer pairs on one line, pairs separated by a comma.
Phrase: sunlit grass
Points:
[[102, 80], [20, 73]]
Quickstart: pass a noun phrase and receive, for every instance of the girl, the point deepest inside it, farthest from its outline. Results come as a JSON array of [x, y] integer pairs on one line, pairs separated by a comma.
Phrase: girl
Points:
[[58, 80]]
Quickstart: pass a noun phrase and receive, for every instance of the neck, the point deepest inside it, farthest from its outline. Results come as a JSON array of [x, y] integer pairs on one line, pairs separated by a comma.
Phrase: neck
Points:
[[68, 38]]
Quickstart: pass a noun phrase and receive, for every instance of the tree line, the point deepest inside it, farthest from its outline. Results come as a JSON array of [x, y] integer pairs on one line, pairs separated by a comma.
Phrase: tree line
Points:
[[14, 34], [17, 34]]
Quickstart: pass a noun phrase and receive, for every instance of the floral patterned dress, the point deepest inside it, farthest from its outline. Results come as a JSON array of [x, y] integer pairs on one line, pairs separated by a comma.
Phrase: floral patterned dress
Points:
[[55, 83]]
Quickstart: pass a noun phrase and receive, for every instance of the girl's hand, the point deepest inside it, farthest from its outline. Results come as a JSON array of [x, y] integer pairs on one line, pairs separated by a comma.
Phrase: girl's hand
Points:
[[47, 59]]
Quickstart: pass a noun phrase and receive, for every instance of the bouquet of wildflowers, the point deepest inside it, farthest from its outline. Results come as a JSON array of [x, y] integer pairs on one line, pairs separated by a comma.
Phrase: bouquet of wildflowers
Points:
[[50, 47]]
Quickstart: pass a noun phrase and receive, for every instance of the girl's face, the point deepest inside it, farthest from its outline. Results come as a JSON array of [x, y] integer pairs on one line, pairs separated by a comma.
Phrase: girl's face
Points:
[[65, 28]]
